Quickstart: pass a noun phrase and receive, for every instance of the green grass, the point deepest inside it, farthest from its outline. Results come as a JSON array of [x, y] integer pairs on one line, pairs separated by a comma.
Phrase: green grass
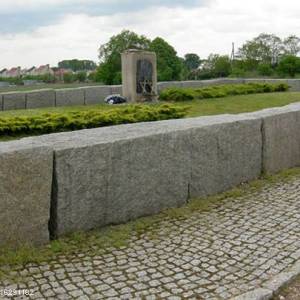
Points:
[[112, 237], [239, 104]]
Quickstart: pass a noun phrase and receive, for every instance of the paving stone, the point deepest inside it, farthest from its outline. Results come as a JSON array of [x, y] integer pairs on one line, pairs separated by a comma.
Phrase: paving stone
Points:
[[226, 252]]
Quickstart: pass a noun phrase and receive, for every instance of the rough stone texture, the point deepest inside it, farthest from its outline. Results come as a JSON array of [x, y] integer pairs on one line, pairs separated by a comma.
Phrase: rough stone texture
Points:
[[130, 71], [164, 85], [26, 177], [69, 97], [108, 183], [15, 100], [96, 94], [226, 250], [192, 84], [294, 85], [40, 98], [281, 143], [224, 156], [257, 294], [116, 89], [114, 174]]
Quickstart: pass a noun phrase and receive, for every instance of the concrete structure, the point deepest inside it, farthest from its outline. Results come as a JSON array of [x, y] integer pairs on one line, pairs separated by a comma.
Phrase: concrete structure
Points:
[[96, 94], [114, 174], [25, 190], [69, 97], [40, 98], [14, 100], [139, 75]]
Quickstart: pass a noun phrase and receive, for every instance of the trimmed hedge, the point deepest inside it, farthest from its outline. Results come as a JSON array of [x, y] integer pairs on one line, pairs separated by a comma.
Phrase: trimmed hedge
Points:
[[69, 121], [188, 94]]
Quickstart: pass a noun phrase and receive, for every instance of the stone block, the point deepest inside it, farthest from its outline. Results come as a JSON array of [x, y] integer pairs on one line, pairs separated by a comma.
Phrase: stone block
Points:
[[40, 98], [224, 155], [69, 97], [25, 190], [281, 142], [116, 89], [192, 84], [104, 180], [112, 175], [254, 80], [168, 84], [96, 94], [14, 100]]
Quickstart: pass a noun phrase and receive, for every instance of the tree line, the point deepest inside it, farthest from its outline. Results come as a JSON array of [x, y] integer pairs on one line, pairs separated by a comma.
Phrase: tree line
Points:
[[265, 55]]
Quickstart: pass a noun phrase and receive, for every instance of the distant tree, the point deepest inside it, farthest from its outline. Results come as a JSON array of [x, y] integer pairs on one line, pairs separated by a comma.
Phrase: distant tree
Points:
[[265, 69], [109, 70], [69, 78], [169, 65], [81, 76], [192, 61], [289, 65], [265, 48], [291, 45], [217, 65], [77, 65]]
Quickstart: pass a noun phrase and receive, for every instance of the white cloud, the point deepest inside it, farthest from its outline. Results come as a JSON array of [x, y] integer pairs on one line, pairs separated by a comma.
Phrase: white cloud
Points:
[[202, 30]]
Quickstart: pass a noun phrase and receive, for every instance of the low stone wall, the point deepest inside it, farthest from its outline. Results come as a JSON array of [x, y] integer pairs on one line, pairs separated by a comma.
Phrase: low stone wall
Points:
[[25, 193], [115, 174], [97, 94]]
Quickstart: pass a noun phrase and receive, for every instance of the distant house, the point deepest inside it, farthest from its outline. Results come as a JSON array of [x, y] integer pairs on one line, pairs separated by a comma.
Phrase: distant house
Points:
[[31, 71], [60, 72], [3, 73], [13, 72], [43, 70]]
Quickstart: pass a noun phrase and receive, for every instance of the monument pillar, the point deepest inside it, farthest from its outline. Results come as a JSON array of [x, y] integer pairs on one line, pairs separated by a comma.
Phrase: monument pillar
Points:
[[139, 75]]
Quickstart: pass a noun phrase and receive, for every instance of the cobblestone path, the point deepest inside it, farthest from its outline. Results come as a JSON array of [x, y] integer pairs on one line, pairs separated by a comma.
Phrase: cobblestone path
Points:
[[228, 250]]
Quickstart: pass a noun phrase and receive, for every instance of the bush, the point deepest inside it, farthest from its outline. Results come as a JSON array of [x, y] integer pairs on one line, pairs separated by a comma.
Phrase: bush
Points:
[[265, 69], [289, 65], [56, 122], [69, 78], [187, 94]]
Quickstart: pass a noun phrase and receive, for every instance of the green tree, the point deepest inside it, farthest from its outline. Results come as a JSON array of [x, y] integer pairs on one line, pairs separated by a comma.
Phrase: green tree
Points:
[[289, 65], [81, 76], [265, 48], [291, 45], [265, 69], [109, 70], [217, 66], [169, 65], [192, 61], [77, 65], [68, 78]]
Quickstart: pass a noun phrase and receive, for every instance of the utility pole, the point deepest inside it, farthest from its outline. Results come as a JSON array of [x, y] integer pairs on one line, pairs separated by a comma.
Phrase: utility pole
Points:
[[232, 57]]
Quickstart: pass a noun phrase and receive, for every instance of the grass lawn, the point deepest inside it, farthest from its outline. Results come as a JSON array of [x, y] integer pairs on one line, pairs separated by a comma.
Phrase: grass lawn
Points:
[[231, 105]]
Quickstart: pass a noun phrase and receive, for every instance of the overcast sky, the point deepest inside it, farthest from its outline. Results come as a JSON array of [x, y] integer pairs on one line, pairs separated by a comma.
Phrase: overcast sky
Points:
[[34, 32]]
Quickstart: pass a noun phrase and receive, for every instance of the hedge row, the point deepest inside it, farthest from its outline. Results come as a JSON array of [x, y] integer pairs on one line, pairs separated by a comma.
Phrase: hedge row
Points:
[[187, 94], [56, 122]]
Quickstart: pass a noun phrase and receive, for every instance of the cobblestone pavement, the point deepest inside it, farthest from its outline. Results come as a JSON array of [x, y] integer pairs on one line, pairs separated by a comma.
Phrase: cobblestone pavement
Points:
[[214, 254]]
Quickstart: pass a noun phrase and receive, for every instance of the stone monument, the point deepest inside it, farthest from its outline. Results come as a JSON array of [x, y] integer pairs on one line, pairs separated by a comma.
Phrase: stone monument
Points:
[[139, 75]]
